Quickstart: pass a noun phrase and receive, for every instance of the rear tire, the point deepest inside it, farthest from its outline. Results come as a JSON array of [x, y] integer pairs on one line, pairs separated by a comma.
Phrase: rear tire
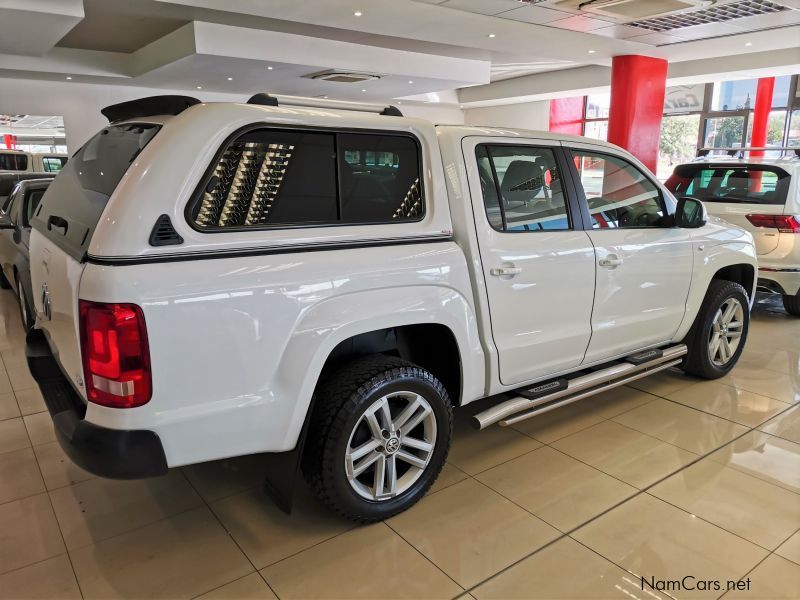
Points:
[[719, 333], [792, 304], [361, 458]]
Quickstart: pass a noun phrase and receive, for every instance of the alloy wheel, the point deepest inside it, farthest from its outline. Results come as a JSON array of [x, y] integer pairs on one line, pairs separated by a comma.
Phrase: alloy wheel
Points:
[[390, 446], [726, 332]]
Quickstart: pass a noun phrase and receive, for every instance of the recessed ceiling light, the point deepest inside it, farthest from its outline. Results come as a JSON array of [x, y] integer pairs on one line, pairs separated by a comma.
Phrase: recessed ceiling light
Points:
[[592, 51], [230, 78], [325, 97], [491, 35], [269, 68], [399, 101], [409, 81], [358, 13], [68, 77], [748, 44], [460, 106], [199, 87], [363, 90]]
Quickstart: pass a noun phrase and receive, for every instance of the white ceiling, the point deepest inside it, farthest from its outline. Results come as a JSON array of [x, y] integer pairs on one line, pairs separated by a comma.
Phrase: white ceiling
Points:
[[494, 50]]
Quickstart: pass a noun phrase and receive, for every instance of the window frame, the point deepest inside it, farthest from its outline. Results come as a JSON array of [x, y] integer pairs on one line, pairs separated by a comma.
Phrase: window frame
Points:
[[574, 215], [587, 215], [192, 205]]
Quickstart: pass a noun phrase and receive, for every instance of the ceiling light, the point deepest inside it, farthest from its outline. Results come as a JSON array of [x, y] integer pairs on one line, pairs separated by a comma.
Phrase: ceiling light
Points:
[[592, 51], [199, 87], [230, 78], [363, 90], [491, 35], [325, 97], [748, 44], [358, 13], [409, 81], [68, 77], [269, 68]]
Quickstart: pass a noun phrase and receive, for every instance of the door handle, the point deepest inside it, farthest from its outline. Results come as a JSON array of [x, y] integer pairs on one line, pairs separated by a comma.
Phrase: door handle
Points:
[[505, 271], [612, 260], [57, 222]]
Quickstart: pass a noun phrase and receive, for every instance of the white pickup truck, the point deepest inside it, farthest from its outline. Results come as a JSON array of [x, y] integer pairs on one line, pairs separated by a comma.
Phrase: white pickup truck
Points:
[[326, 285]]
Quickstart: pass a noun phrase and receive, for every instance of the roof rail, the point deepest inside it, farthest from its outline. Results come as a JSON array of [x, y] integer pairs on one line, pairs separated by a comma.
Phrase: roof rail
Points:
[[148, 107], [279, 100], [740, 152]]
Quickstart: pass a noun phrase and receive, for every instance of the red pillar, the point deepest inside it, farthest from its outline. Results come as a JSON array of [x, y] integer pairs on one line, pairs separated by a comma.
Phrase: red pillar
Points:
[[638, 84], [761, 110], [566, 115]]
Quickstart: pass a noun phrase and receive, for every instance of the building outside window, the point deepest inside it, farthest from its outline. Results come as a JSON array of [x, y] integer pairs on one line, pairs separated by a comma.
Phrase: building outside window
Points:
[[713, 115]]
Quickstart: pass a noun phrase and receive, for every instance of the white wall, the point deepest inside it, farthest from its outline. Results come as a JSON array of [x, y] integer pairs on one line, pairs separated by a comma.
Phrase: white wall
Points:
[[80, 104], [527, 115]]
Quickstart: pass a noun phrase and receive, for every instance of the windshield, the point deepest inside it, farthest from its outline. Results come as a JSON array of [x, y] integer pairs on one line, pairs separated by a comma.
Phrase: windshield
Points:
[[733, 183]]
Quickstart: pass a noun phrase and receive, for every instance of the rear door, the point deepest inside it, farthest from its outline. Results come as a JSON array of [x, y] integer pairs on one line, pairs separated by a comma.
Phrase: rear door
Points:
[[538, 263], [732, 191], [63, 225], [644, 264]]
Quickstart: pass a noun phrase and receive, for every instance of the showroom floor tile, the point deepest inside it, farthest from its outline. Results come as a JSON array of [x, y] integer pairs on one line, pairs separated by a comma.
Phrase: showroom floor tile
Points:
[[668, 477]]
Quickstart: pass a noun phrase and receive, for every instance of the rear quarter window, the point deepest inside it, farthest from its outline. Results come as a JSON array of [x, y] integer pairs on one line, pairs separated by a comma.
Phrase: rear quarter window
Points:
[[80, 192], [731, 183], [13, 162]]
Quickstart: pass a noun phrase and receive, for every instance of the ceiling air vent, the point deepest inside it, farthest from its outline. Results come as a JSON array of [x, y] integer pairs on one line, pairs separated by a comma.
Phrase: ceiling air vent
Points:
[[343, 76], [715, 14]]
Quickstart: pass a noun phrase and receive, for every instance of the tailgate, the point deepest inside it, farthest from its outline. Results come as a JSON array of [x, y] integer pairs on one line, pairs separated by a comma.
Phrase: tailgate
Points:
[[55, 277], [766, 239]]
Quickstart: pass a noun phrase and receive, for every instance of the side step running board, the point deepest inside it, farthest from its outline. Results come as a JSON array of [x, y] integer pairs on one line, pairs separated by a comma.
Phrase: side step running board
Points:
[[521, 408]]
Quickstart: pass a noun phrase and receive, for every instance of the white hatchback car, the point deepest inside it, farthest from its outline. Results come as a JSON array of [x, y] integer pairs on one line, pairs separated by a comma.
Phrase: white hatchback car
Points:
[[762, 195]]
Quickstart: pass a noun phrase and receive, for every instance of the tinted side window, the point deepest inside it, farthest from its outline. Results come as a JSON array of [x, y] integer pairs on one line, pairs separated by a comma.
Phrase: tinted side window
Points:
[[618, 193], [31, 204], [273, 178], [13, 162], [379, 178], [53, 164], [522, 188], [738, 183]]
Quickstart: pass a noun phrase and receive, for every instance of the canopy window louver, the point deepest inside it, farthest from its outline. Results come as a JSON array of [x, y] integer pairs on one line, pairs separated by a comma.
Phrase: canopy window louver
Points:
[[244, 185], [411, 206]]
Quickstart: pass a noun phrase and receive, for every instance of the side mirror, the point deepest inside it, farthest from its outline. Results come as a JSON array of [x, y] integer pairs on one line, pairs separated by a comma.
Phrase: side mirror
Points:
[[5, 221], [690, 213]]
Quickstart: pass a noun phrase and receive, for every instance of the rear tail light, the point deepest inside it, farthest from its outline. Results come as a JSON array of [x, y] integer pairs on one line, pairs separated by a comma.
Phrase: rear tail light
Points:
[[783, 223], [116, 358]]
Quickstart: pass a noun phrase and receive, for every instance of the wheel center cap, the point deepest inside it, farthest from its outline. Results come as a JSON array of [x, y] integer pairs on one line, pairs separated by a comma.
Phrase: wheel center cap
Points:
[[392, 445]]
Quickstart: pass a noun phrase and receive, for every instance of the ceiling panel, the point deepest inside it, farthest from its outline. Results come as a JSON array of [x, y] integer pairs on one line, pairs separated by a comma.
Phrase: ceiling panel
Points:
[[481, 7], [579, 23], [619, 32], [538, 15]]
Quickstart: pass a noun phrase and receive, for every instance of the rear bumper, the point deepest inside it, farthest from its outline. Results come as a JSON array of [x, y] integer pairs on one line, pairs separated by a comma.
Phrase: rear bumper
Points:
[[114, 453], [781, 280]]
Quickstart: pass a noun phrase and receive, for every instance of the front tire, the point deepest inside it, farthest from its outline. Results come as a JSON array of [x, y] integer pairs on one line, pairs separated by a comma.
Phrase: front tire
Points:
[[378, 438], [792, 304], [719, 333]]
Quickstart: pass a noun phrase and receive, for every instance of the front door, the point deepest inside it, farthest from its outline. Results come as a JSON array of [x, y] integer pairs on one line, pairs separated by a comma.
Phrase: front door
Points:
[[538, 263], [644, 264]]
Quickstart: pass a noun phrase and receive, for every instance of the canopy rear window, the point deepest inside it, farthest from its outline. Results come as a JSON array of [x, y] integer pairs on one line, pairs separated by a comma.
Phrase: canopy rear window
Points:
[[731, 183], [74, 202]]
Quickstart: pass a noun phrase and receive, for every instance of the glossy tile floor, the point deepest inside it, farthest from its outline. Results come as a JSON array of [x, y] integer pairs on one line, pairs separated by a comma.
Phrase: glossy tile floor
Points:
[[673, 478]]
